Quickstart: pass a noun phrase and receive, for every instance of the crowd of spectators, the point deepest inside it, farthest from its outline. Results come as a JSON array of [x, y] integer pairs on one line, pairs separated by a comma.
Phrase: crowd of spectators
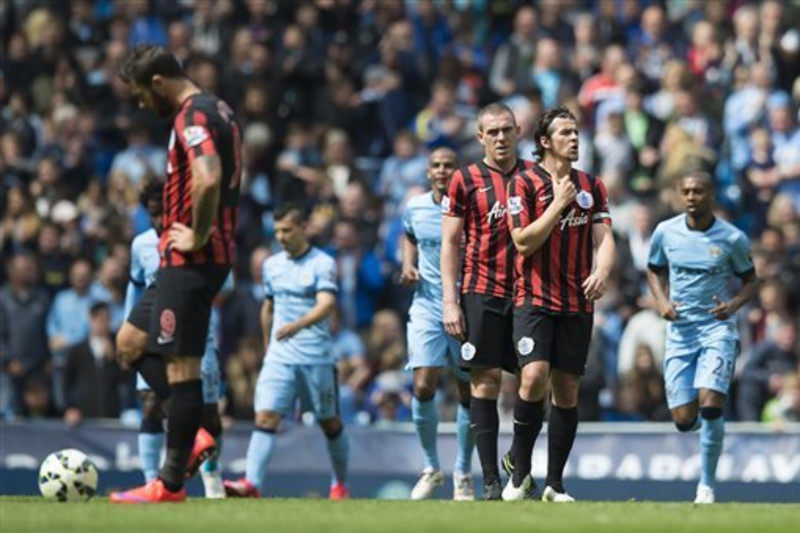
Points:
[[339, 102]]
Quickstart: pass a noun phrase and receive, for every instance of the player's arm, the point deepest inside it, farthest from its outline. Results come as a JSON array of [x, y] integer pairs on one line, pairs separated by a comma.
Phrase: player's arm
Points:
[[410, 273], [605, 251], [324, 306], [450, 259], [742, 265], [267, 312], [530, 238], [658, 281]]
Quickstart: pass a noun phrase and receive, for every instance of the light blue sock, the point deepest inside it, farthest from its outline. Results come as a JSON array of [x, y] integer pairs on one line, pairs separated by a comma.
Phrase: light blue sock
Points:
[[466, 441], [212, 463], [339, 452], [426, 419], [259, 452], [712, 433], [150, 446]]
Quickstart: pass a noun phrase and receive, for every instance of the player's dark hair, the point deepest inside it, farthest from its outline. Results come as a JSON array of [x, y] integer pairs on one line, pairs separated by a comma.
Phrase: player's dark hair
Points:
[[701, 175], [146, 61], [97, 308], [495, 108], [545, 122], [152, 192], [294, 210]]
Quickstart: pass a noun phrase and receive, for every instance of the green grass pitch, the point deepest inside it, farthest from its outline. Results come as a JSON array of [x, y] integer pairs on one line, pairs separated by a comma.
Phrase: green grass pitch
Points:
[[18, 514]]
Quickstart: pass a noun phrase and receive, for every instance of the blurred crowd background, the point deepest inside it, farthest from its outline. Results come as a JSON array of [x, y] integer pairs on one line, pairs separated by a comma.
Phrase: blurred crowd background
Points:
[[339, 102]]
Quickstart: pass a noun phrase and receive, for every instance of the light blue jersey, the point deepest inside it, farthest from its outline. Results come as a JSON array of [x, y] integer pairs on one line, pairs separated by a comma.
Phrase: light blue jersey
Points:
[[144, 265], [700, 348], [293, 284], [428, 343]]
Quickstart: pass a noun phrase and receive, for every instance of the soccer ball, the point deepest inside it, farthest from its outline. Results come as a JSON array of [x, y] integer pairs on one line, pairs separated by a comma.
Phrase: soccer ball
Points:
[[68, 476]]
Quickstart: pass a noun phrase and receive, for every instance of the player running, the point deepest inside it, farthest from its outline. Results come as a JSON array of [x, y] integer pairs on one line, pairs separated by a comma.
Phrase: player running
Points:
[[474, 209], [300, 294], [144, 264], [429, 348], [692, 259], [164, 338], [560, 225]]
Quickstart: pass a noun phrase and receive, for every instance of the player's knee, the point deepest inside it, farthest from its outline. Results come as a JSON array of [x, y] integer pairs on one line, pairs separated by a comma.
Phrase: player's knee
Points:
[[532, 383], [685, 425], [211, 421], [151, 406], [332, 427], [710, 413], [129, 346], [267, 420], [424, 390]]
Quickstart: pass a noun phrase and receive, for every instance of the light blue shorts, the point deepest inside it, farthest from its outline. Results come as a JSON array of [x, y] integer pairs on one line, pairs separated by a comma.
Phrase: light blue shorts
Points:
[[429, 346], [280, 385], [209, 373], [710, 367]]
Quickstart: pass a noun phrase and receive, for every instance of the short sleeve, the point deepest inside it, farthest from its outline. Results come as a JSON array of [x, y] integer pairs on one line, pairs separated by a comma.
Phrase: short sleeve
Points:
[[268, 291], [601, 214], [196, 135], [741, 260], [657, 259], [408, 226], [326, 275], [454, 202], [520, 206]]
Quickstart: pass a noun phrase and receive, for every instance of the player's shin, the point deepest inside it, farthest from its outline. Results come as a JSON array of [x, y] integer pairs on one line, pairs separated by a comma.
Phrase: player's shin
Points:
[[560, 437], [259, 453], [183, 422], [151, 442], [485, 424], [527, 425], [466, 439], [426, 420], [712, 434], [339, 452]]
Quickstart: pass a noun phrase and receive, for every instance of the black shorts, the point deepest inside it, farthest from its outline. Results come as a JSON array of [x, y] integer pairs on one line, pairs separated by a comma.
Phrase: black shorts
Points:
[[490, 323], [561, 339], [176, 310]]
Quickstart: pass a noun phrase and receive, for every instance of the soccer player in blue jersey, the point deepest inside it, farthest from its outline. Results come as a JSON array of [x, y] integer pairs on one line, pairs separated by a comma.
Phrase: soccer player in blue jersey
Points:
[[430, 348], [692, 259], [300, 294], [144, 264]]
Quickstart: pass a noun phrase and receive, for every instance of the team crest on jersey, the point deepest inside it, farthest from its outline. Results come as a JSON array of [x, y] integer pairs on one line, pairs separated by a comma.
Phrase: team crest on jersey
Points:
[[715, 251], [525, 345], [306, 279], [195, 135], [515, 205], [467, 351], [445, 204], [584, 200]]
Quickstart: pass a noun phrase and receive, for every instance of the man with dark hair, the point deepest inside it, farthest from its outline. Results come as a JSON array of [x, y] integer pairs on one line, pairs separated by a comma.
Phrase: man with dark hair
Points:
[[201, 195], [300, 295], [474, 210], [692, 259], [144, 266], [558, 217]]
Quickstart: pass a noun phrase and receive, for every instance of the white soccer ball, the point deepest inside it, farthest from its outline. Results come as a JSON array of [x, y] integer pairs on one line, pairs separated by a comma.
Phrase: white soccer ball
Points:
[[68, 476]]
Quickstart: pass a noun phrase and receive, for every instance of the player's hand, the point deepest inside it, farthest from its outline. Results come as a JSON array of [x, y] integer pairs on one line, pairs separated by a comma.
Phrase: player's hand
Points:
[[667, 311], [595, 285], [73, 416], [287, 331], [183, 238], [564, 192], [454, 322], [721, 310], [409, 276]]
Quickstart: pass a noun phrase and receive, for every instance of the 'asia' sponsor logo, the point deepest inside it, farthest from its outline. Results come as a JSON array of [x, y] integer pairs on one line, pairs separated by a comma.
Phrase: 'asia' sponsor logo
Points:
[[497, 212], [572, 219]]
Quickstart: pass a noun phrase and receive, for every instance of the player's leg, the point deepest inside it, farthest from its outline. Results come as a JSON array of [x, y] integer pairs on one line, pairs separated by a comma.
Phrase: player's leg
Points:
[[482, 355], [318, 387], [572, 336], [533, 342], [715, 370], [463, 486], [210, 471], [151, 431], [425, 414]]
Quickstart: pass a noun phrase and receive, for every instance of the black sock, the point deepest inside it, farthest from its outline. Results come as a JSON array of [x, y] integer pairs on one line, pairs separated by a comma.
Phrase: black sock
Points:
[[154, 371], [211, 421], [151, 426], [182, 425], [485, 425], [560, 436], [527, 425]]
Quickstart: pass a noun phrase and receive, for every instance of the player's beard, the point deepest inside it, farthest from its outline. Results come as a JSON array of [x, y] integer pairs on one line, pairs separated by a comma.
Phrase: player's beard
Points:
[[162, 105]]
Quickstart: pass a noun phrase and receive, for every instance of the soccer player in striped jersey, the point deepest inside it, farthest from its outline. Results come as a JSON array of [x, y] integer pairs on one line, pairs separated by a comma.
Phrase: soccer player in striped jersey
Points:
[[430, 349], [560, 225], [164, 337], [144, 264], [693, 257], [481, 318]]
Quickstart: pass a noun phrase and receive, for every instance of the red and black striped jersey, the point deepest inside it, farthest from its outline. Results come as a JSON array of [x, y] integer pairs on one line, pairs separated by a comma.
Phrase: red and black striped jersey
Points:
[[552, 277], [204, 125], [477, 194]]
